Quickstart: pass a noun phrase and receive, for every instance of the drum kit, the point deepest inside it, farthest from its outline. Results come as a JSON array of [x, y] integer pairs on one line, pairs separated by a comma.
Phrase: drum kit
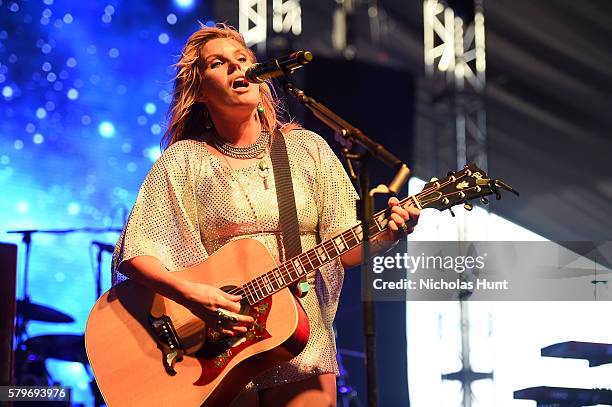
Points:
[[31, 352]]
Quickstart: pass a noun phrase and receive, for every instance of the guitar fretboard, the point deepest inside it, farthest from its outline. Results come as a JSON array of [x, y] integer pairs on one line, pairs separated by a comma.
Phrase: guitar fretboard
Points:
[[297, 267]]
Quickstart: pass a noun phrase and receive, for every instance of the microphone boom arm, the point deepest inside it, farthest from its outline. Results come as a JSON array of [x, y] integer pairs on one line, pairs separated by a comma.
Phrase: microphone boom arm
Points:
[[352, 133], [366, 210]]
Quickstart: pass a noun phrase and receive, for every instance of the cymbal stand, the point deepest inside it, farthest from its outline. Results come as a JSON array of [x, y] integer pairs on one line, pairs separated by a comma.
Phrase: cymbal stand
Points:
[[21, 324]]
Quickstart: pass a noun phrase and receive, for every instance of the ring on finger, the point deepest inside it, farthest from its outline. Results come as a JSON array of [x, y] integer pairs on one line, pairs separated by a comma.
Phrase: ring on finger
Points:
[[225, 316], [404, 228]]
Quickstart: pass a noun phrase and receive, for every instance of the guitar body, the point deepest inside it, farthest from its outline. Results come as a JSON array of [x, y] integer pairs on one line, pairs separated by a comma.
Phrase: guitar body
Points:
[[132, 336]]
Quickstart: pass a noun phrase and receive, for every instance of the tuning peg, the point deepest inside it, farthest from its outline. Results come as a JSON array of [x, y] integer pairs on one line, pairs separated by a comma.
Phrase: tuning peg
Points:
[[450, 173], [433, 179], [468, 206], [484, 200], [451, 212]]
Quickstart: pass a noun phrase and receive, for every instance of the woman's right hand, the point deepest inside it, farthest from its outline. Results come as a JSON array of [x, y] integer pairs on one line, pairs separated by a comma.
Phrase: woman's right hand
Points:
[[204, 301]]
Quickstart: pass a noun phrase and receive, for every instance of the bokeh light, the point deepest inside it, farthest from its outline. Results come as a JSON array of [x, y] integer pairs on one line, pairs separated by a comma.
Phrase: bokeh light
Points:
[[184, 4], [106, 129], [82, 119]]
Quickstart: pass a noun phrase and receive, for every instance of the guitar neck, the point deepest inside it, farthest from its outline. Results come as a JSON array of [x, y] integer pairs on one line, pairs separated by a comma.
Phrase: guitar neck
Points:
[[297, 267]]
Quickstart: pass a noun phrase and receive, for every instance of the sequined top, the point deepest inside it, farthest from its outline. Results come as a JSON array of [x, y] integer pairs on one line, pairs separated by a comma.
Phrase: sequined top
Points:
[[192, 203]]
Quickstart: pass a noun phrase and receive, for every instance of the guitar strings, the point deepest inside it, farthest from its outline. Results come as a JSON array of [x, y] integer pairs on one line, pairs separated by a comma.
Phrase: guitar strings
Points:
[[240, 290]]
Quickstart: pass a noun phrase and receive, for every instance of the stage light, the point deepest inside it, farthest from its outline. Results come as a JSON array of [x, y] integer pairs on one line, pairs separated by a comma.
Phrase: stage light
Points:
[[74, 208], [165, 96], [38, 138], [150, 108], [18, 144], [163, 38], [142, 120], [113, 53], [156, 129], [22, 207], [184, 4], [152, 153], [106, 129], [46, 67], [7, 92], [68, 18], [171, 18], [41, 113], [72, 94]]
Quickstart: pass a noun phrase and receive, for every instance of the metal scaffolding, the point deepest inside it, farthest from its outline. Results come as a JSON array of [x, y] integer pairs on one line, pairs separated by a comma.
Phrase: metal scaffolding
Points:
[[454, 57]]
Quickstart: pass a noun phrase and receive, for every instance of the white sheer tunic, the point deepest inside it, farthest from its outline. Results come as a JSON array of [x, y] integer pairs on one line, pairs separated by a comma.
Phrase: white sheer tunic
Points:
[[192, 203]]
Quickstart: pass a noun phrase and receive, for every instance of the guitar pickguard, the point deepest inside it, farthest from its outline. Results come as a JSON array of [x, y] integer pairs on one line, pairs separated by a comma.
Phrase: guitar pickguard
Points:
[[218, 351]]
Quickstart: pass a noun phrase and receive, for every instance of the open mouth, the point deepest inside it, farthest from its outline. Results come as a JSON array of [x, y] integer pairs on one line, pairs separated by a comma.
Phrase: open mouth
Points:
[[240, 83]]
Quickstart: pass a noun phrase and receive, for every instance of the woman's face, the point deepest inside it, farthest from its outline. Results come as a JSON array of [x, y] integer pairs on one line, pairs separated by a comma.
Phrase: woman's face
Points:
[[224, 87]]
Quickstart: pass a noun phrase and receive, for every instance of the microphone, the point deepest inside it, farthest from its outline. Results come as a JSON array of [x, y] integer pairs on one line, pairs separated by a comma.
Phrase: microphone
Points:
[[257, 73], [104, 246]]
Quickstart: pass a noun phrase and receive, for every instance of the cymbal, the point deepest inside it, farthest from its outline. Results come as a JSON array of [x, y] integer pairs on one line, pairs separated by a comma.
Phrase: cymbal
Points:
[[31, 311], [68, 347]]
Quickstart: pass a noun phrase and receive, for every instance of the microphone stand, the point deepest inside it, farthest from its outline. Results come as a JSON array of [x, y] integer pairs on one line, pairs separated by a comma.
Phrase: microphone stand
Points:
[[352, 134]]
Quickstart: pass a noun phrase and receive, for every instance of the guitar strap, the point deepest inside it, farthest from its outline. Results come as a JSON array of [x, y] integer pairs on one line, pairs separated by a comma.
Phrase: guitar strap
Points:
[[287, 212]]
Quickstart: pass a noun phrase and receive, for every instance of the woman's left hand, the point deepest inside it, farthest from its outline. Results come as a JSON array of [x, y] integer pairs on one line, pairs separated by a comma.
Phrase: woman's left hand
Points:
[[401, 221]]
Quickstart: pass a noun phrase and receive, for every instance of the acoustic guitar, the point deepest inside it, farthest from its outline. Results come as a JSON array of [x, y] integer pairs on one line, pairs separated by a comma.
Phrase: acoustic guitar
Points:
[[145, 349]]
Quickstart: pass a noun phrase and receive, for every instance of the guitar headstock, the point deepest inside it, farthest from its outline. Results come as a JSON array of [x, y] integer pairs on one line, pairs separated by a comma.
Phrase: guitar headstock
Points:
[[461, 187]]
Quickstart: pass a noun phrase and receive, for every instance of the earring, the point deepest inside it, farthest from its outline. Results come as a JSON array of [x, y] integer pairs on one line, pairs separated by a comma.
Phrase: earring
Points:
[[260, 108], [207, 122]]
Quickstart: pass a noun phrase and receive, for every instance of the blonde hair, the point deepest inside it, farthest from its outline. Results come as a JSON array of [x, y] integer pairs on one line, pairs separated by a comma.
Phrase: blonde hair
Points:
[[186, 116]]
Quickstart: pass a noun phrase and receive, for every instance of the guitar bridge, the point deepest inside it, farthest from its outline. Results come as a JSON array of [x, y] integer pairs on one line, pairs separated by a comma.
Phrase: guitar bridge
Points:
[[167, 341]]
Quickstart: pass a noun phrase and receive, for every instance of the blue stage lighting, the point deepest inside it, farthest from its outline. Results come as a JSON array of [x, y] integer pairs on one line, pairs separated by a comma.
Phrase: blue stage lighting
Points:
[[7, 92], [72, 94], [41, 113], [171, 18], [152, 153], [150, 108], [106, 129], [163, 38], [184, 4]]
